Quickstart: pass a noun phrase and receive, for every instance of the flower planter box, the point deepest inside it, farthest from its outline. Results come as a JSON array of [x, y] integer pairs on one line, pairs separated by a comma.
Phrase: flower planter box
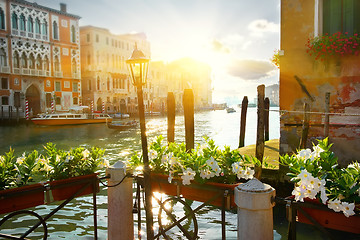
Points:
[[194, 191], [65, 188], [22, 197], [330, 219]]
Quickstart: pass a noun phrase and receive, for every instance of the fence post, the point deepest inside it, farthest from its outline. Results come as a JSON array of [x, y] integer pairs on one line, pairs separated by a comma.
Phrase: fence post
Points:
[[244, 106], [171, 117], [188, 103], [120, 204], [305, 126], [254, 210], [259, 152], [327, 117], [266, 118]]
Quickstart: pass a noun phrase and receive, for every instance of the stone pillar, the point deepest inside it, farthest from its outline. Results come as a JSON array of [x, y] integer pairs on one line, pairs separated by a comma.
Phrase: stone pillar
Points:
[[120, 204], [255, 213]]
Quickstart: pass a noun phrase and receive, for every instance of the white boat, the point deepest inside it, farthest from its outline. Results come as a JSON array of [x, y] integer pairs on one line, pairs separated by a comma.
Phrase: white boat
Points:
[[230, 110], [76, 115]]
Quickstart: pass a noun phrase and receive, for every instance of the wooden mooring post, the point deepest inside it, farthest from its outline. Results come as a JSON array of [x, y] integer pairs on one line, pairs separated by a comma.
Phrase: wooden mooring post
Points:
[[171, 117], [327, 117], [188, 103], [266, 118], [259, 152], [244, 106], [305, 126]]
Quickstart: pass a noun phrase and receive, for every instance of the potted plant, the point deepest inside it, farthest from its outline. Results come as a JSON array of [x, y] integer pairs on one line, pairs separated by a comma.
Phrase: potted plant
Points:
[[69, 171], [15, 176], [319, 179], [199, 174]]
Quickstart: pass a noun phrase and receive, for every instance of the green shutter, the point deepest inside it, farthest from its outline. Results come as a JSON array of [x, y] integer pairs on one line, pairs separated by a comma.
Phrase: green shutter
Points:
[[331, 16], [348, 16]]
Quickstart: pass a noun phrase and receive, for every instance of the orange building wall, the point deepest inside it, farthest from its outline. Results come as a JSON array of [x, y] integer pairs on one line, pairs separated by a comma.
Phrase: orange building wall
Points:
[[339, 76]]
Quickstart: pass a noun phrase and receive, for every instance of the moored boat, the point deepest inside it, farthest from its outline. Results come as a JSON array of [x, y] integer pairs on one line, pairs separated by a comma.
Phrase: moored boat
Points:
[[230, 110], [76, 115], [122, 126]]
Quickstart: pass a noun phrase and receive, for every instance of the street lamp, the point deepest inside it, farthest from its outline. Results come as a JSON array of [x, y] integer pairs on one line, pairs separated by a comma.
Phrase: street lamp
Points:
[[138, 67]]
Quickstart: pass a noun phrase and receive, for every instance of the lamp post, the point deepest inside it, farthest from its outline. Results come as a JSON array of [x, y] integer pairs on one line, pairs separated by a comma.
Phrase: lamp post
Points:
[[138, 68]]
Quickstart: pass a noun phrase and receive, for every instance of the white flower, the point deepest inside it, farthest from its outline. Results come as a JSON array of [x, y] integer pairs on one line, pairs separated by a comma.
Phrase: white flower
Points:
[[335, 205], [170, 177], [299, 193], [304, 154], [104, 163], [323, 195], [310, 193], [212, 163], [304, 176], [153, 154], [188, 175], [248, 173], [236, 167], [317, 151], [21, 159], [69, 158], [348, 209], [2, 159], [86, 153]]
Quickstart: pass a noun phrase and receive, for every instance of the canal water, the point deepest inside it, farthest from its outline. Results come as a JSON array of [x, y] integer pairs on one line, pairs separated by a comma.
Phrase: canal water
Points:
[[75, 220]]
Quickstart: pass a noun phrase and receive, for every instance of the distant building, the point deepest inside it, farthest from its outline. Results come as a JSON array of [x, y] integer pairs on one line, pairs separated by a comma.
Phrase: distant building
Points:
[[105, 76], [272, 92], [39, 56]]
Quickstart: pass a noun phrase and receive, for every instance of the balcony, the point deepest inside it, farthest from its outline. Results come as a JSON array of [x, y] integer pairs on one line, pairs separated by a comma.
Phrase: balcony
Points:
[[58, 74], [30, 35], [76, 75], [23, 33], [14, 32], [4, 69], [16, 70], [45, 37], [26, 71]]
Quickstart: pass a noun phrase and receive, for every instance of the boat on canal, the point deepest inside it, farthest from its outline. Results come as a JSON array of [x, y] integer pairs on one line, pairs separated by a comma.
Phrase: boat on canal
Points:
[[123, 126], [230, 110], [76, 115]]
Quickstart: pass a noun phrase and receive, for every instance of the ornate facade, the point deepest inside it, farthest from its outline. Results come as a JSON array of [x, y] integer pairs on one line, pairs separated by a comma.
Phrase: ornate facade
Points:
[[39, 56], [105, 77]]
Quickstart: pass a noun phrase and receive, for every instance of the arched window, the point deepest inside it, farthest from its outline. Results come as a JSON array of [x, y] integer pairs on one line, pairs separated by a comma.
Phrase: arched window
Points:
[[55, 30], [23, 61], [14, 20], [37, 26], [44, 28], [31, 61], [39, 63], [30, 24], [16, 60], [73, 34], [3, 59], [46, 63], [56, 64], [2, 19], [74, 66], [22, 23], [108, 84], [98, 83]]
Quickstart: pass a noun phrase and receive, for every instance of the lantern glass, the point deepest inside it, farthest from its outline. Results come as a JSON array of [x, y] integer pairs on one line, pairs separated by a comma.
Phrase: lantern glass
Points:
[[138, 67]]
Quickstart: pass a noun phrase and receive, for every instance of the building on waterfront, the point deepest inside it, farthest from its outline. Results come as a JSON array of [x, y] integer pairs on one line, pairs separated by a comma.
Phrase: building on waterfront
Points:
[[189, 73], [334, 69], [39, 57], [105, 78], [272, 92]]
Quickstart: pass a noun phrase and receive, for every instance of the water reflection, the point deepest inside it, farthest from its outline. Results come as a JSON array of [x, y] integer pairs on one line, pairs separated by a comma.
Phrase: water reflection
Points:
[[75, 221]]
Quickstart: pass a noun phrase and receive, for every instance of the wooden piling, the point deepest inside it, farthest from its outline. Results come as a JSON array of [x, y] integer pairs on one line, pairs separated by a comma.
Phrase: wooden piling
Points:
[[188, 103], [259, 152], [266, 118], [305, 126], [244, 106], [171, 117], [327, 117]]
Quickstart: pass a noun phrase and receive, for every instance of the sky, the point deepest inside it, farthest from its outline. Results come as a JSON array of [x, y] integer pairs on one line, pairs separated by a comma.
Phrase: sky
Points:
[[236, 38]]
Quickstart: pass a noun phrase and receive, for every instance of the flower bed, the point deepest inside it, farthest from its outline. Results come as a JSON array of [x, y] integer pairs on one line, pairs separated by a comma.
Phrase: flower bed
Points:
[[207, 170], [317, 175], [338, 44], [54, 166]]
